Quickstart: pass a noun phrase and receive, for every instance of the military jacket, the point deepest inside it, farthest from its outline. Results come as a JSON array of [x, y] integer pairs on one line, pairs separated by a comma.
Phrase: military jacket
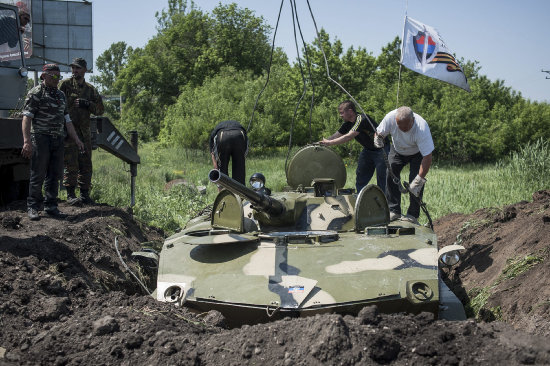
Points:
[[81, 116], [47, 107]]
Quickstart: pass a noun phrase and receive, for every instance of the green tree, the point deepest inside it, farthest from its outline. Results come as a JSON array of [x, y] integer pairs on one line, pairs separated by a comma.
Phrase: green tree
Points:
[[190, 47], [109, 64], [240, 39], [230, 94], [152, 79], [175, 8]]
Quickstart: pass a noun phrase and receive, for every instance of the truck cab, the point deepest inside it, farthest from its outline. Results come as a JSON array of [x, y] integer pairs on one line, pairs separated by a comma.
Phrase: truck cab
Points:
[[13, 73], [14, 169]]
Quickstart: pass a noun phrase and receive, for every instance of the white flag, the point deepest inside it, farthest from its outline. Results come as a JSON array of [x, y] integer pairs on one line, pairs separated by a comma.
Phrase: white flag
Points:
[[424, 51]]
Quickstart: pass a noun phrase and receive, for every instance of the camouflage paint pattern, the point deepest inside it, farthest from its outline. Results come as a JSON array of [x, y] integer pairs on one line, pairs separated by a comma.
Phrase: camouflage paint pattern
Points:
[[78, 166], [297, 274], [355, 269], [314, 257]]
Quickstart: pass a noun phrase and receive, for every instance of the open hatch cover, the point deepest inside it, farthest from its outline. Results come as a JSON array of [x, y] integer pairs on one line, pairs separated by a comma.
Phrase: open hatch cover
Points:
[[314, 162]]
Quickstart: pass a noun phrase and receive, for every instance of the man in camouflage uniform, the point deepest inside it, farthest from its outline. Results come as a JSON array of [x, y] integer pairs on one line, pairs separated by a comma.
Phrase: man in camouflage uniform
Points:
[[82, 100], [45, 119]]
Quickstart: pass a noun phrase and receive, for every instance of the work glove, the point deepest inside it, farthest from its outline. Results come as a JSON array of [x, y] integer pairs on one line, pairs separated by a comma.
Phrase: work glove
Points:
[[416, 185], [83, 103], [378, 141]]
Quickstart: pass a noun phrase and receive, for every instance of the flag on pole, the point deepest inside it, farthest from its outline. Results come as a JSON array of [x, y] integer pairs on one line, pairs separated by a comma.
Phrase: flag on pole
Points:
[[424, 51]]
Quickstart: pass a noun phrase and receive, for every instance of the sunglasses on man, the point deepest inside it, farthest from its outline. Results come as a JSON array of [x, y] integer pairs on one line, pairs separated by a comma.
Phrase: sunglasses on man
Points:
[[54, 76]]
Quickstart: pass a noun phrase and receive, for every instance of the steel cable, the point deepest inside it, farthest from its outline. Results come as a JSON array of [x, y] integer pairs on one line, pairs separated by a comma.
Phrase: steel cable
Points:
[[394, 178], [128, 268], [268, 69]]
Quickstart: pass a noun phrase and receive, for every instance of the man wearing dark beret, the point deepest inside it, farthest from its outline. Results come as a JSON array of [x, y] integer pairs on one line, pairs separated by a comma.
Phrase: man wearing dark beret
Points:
[[45, 120]]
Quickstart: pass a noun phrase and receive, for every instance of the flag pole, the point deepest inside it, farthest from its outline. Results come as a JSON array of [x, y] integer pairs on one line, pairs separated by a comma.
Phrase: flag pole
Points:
[[401, 58]]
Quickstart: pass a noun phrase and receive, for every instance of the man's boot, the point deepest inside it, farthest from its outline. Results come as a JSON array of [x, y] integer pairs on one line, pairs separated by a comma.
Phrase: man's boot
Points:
[[85, 197], [33, 214], [71, 196]]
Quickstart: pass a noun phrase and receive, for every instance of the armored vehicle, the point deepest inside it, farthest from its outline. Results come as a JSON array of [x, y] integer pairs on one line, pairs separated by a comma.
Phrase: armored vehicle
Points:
[[315, 248]]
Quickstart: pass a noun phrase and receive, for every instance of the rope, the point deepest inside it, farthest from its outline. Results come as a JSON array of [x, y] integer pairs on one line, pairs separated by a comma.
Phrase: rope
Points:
[[128, 268], [270, 314], [421, 204], [394, 178], [326, 64], [309, 72], [328, 71]]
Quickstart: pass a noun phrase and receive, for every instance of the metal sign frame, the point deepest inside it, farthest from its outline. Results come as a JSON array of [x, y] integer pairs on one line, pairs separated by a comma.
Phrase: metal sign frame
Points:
[[61, 31]]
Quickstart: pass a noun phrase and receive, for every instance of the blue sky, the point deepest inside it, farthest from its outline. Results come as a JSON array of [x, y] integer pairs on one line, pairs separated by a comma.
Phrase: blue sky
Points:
[[509, 39]]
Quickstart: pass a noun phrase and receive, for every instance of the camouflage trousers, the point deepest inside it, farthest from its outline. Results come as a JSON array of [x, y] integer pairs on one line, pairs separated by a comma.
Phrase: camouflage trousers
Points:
[[78, 166]]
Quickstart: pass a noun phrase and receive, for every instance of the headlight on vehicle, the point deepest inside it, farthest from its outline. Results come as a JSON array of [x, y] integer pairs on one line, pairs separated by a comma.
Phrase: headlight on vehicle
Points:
[[173, 293], [450, 254], [23, 72], [450, 258]]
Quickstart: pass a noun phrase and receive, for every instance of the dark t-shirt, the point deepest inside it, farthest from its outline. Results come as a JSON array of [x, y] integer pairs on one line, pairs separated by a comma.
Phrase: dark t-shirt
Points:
[[366, 131], [225, 126]]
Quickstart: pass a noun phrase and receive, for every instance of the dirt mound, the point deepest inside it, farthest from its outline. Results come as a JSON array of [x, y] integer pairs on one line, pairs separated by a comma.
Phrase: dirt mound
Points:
[[66, 298], [505, 272]]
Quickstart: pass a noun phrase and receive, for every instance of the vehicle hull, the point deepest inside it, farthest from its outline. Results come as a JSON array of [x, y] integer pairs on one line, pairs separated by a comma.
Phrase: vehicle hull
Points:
[[252, 280]]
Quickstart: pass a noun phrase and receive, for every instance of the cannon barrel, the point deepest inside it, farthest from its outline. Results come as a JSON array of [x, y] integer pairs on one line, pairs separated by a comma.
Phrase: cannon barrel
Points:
[[259, 201]]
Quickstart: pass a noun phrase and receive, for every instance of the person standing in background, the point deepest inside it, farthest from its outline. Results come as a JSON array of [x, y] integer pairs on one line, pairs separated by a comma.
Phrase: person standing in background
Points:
[[83, 100]]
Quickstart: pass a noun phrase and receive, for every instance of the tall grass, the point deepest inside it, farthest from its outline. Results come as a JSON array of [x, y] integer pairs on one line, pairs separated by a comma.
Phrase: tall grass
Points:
[[450, 187], [532, 163], [466, 188], [168, 209]]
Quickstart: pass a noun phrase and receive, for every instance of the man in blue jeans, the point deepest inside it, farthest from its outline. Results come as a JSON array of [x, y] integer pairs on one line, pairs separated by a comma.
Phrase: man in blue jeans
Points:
[[361, 127], [45, 119]]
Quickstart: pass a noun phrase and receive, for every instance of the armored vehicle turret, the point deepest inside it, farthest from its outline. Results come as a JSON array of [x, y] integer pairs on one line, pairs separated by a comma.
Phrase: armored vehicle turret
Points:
[[315, 248]]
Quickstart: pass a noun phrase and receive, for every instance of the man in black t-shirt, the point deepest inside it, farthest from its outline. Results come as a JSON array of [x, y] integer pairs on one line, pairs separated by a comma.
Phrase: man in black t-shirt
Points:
[[229, 140], [361, 127]]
